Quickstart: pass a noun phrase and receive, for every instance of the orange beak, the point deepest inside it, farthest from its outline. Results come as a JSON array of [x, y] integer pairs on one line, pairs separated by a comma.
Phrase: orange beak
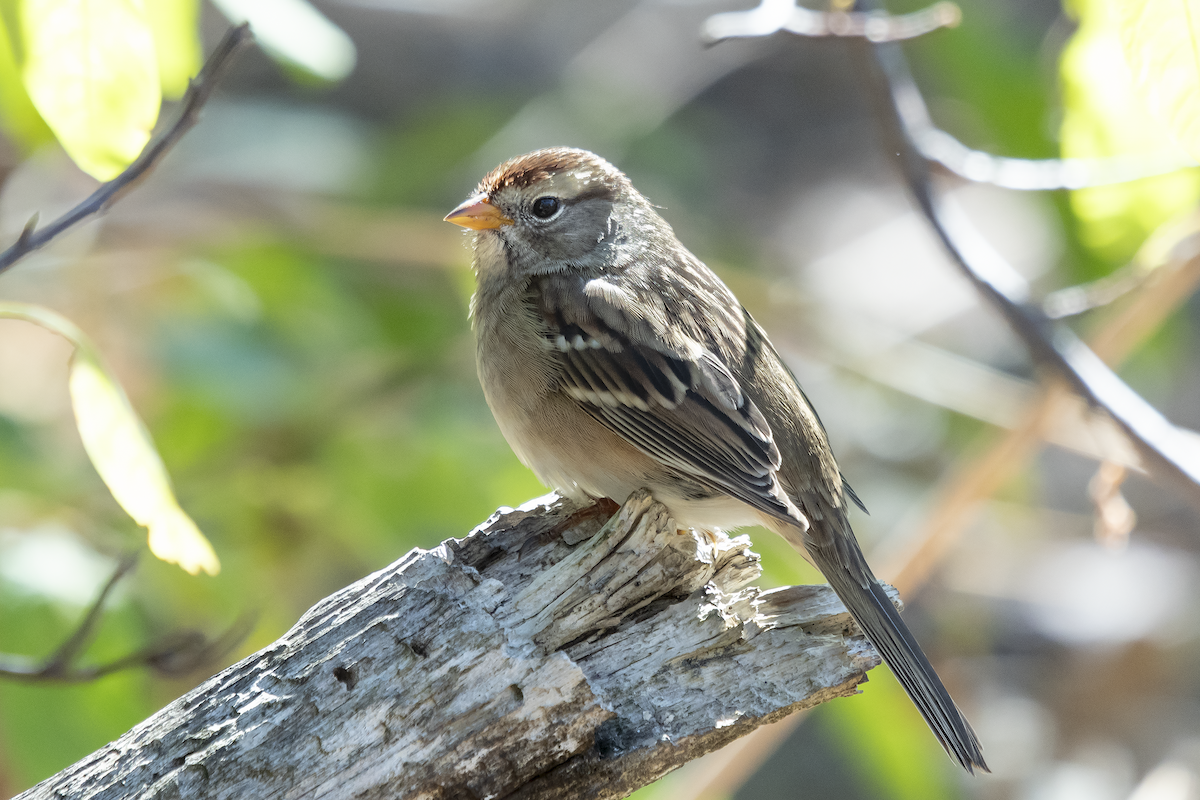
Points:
[[478, 214]]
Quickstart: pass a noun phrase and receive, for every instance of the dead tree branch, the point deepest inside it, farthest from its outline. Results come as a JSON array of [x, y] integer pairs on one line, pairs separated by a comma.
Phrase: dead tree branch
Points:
[[553, 652]]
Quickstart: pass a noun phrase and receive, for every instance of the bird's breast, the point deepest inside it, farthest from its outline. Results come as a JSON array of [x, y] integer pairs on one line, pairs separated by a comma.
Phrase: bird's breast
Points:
[[549, 432]]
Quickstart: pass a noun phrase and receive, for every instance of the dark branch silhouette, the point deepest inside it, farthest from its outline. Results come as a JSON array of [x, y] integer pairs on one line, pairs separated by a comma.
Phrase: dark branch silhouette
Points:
[[176, 653], [199, 90], [902, 110]]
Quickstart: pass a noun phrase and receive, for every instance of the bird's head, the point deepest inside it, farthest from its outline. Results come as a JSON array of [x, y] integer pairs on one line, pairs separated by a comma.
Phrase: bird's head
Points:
[[551, 209]]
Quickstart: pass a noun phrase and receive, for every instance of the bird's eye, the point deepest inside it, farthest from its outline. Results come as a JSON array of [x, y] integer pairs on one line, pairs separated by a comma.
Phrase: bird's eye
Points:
[[545, 207]]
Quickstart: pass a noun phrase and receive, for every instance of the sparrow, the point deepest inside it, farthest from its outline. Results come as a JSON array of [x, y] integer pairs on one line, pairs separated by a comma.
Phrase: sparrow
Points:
[[614, 360]]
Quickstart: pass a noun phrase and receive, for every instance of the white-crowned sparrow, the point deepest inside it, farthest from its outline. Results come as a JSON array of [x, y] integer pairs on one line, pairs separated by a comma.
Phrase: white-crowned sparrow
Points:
[[613, 360]]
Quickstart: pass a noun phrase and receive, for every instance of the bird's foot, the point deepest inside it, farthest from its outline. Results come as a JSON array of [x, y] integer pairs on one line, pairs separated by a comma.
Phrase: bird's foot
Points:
[[711, 537]]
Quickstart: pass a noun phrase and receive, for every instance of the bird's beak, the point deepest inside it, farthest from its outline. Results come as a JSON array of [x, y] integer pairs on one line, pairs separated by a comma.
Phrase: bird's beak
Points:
[[478, 214]]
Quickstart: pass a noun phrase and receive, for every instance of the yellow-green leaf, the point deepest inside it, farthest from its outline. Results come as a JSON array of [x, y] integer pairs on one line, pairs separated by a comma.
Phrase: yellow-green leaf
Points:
[[121, 449], [91, 71], [174, 25], [1104, 117], [19, 119], [126, 459], [1160, 40]]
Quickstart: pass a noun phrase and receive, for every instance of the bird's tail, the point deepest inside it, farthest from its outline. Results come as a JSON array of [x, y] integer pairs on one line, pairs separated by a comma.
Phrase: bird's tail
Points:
[[871, 608]]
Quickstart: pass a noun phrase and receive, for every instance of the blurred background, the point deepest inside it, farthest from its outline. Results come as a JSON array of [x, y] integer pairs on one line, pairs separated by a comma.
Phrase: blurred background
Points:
[[288, 314]]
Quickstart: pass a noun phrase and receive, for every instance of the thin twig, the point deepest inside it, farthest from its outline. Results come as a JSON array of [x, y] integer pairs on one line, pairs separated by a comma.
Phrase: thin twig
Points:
[[1176, 241], [77, 642], [773, 16], [1025, 174], [1072, 300], [179, 652], [198, 92]]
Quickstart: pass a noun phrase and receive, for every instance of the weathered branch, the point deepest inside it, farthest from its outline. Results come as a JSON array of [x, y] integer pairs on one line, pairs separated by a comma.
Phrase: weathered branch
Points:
[[553, 652]]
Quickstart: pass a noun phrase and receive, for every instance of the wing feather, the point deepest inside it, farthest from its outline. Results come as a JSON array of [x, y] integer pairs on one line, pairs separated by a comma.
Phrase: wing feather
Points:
[[672, 396]]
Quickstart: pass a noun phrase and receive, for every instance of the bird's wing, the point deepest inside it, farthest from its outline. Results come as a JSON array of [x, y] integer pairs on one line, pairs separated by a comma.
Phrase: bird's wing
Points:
[[630, 363]]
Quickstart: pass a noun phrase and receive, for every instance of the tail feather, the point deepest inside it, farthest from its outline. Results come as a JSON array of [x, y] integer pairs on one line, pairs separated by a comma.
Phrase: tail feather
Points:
[[881, 622]]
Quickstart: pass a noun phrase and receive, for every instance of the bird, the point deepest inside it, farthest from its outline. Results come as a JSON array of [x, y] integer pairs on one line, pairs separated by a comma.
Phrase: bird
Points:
[[614, 360]]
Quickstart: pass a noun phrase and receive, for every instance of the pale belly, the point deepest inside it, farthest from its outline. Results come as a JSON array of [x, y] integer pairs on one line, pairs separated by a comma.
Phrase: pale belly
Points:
[[579, 457]]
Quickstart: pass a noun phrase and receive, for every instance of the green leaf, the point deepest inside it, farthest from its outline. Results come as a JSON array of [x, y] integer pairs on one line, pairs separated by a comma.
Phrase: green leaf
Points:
[[91, 71], [1160, 38], [174, 24], [121, 449], [1103, 117], [19, 119]]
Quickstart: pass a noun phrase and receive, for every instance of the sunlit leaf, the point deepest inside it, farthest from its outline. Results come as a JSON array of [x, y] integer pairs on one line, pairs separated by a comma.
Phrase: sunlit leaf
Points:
[[174, 24], [1160, 39], [295, 32], [121, 449], [1103, 116], [127, 461], [18, 118], [90, 69]]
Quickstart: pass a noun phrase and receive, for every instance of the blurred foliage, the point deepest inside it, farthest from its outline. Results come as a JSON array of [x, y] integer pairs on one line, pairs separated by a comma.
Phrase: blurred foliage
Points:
[[97, 77], [44, 728], [878, 729], [1160, 47], [174, 27], [309, 47], [430, 142], [1103, 117], [20, 120], [997, 97]]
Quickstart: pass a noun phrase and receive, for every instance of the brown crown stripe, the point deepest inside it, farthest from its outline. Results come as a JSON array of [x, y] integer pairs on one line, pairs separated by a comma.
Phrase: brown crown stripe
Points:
[[539, 165]]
